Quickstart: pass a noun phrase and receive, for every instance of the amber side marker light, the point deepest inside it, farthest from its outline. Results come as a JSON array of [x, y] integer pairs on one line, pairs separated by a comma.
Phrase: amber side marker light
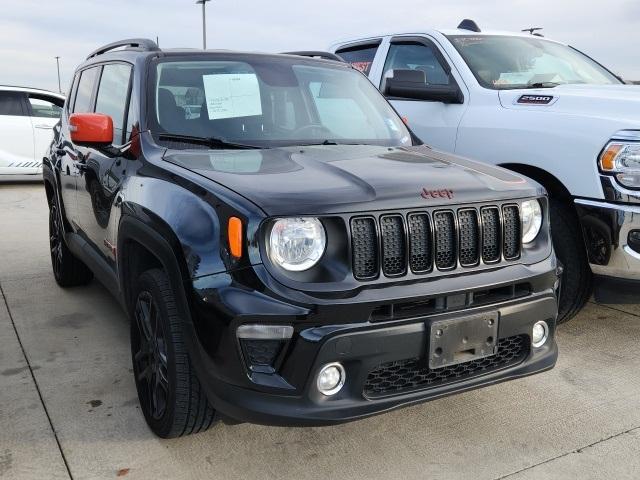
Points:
[[234, 232], [608, 157]]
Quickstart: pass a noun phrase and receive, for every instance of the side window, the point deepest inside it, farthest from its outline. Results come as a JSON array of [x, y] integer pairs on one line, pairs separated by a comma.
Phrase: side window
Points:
[[360, 56], [112, 96], [11, 103], [85, 90], [45, 107], [416, 56], [72, 93]]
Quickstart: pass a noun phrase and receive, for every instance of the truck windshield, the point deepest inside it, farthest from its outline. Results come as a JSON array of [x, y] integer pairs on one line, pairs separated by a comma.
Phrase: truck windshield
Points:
[[270, 101], [503, 62]]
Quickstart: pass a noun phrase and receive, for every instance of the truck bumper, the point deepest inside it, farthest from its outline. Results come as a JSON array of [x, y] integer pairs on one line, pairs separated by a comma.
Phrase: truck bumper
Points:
[[611, 233], [386, 362]]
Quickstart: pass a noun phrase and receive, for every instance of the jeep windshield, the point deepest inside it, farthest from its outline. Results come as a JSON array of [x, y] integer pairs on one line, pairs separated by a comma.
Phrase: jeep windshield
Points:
[[263, 101], [504, 62]]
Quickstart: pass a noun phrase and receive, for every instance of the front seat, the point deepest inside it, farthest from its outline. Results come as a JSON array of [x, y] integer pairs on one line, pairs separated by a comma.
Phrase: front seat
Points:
[[171, 117]]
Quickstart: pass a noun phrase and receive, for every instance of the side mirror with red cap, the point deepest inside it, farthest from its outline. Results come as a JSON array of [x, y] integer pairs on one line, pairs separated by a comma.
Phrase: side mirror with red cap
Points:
[[91, 129]]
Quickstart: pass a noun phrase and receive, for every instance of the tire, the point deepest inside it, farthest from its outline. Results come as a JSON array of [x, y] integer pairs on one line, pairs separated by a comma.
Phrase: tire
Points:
[[577, 278], [68, 270], [171, 397]]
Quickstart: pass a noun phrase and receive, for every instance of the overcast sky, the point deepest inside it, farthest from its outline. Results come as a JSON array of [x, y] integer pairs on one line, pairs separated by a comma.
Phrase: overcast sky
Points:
[[33, 32]]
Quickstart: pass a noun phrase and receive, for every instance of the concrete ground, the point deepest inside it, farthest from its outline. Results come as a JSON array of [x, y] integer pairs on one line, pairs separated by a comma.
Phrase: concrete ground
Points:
[[68, 406]]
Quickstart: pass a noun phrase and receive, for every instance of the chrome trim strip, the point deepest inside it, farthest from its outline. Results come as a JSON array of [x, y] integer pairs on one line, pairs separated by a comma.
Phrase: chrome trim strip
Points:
[[610, 206]]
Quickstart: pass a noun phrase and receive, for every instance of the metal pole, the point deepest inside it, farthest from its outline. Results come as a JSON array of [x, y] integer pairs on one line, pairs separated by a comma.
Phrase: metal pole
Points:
[[204, 26], [58, 64]]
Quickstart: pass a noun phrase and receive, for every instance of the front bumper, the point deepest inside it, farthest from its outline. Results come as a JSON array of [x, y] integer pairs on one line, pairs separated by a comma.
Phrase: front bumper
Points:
[[290, 397], [606, 228]]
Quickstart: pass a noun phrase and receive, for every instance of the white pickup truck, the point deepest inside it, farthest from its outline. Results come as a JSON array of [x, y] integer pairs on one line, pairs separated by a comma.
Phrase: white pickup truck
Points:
[[540, 108]]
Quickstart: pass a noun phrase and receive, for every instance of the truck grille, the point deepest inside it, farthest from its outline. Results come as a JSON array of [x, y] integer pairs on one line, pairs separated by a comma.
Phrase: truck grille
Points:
[[406, 375], [444, 239]]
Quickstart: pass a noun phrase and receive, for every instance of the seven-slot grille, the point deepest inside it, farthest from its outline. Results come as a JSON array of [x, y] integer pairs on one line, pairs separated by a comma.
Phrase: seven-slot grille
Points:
[[443, 239]]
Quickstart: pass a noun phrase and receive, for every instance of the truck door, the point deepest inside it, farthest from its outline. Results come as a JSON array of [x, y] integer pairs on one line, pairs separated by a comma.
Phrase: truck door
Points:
[[434, 122]]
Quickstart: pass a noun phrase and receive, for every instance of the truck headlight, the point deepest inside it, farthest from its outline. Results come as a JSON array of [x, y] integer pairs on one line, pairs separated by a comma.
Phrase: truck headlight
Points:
[[623, 160], [297, 244], [531, 213]]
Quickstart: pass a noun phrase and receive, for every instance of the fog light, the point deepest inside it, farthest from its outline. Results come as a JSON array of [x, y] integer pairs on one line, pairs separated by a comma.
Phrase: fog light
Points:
[[331, 379], [539, 334]]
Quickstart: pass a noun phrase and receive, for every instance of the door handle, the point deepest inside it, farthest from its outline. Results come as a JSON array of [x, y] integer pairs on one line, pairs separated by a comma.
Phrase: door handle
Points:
[[44, 127]]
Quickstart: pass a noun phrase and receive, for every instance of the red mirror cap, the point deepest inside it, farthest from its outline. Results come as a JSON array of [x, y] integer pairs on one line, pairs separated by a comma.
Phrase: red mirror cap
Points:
[[91, 128]]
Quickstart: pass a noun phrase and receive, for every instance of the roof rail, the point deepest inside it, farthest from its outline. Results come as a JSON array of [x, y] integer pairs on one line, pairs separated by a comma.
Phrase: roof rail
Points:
[[470, 25], [317, 54], [143, 44]]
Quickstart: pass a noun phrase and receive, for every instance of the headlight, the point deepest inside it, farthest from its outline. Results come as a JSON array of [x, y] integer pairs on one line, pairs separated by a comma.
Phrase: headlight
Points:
[[297, 244], [531, 214], [623, 160]]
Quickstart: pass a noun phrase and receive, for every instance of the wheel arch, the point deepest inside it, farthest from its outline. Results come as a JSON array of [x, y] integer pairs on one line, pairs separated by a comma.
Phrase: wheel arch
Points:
[[555, 188]]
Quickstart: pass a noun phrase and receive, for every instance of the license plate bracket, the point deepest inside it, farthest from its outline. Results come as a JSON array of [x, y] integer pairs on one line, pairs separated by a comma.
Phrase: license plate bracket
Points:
[[462, 339]]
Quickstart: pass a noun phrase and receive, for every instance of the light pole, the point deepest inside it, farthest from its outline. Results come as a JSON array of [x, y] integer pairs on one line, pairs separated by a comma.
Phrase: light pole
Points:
[[204, 22], [58, 64]]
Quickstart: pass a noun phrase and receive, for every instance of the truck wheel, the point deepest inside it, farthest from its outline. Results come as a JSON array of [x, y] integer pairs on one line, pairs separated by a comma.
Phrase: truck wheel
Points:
[[569, 247], [68, 270], [169, 391]]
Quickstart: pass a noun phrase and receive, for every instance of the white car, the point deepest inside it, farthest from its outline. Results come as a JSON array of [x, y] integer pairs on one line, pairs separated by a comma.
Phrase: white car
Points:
[[538, 107], [27, 118]]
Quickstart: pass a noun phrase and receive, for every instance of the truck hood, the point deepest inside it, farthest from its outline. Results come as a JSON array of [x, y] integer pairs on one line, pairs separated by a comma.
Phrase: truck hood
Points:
[[352, 178], [616, 102]]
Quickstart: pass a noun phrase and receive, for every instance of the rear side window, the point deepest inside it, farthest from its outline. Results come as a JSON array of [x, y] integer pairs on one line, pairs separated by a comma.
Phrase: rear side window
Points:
[[360, 56], [416, 56], [112, 96], [85, 90], [11, 103]]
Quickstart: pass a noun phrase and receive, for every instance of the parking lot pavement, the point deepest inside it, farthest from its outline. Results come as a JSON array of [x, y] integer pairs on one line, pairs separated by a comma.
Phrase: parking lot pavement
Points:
[[580, 420]]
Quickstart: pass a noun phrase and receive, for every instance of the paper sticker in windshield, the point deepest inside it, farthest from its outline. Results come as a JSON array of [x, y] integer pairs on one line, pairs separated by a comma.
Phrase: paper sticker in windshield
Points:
[[232, 95], [364, 67], [535, 99]]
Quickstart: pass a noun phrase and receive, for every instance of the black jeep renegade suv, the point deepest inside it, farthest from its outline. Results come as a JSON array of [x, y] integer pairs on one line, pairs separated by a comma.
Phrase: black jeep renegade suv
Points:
[[288, 251]]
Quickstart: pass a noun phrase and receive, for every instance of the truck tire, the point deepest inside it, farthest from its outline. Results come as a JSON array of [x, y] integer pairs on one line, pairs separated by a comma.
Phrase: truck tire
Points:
[[68, 270], [171, 397], [569, 246]]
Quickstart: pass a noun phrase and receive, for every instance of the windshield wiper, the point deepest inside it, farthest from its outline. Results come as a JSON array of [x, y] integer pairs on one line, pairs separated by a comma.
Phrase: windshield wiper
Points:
[[211, 142], [543, 85], [329, 142]]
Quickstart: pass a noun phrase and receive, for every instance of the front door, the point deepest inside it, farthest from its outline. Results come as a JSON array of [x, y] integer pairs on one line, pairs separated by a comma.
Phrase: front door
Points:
[[435, 123], [44, 112], [101, 175]]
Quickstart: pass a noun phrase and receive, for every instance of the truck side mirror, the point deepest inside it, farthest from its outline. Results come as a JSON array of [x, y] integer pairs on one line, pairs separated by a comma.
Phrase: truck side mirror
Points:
[[412, 84]]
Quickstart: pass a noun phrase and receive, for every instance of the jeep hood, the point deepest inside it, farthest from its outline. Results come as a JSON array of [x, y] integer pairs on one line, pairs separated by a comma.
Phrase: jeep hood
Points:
[[616, 102], [352, 178]]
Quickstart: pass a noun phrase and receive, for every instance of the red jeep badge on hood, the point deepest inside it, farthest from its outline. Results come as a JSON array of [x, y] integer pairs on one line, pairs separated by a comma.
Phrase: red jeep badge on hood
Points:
[[432, 194]]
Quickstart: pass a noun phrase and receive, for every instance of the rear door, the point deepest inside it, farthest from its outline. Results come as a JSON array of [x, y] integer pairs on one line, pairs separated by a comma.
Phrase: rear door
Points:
[[44, 112], [435, 123], [16, 135]]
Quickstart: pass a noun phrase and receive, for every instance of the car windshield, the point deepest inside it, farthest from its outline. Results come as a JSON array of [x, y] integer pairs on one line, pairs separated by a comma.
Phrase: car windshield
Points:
[[269, 101], [503, 62]]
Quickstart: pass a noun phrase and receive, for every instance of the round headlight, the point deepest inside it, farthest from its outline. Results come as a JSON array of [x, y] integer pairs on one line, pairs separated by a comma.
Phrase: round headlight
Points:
[[297, 244], [531, 220]]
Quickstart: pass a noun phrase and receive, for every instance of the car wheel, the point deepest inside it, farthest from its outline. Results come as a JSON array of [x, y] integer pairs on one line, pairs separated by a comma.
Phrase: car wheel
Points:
[[569, 246], [169, 391], [68, 270]]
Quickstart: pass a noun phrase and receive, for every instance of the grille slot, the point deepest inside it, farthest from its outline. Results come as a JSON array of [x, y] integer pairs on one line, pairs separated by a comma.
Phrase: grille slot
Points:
[[490, 234], [511, 235], [420, 243], [394, 248], [469, 237], [445, 230], [413, 374], [364, 241]]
